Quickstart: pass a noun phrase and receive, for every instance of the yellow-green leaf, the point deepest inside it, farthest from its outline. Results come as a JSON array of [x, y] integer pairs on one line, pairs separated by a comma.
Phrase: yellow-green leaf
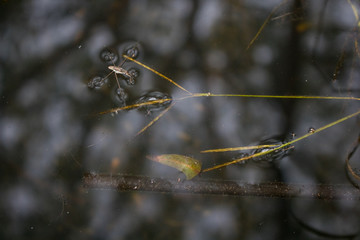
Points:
[[188, 165]]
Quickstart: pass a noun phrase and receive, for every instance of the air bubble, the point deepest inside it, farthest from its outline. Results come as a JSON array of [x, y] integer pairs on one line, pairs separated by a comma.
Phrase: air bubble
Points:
[[276, 155], [291, 136], [132, 51], [241, 155], [153, 96], [121, 93], [120, 96], [311, 130], [108, 56], [133, 74], [96, 82]]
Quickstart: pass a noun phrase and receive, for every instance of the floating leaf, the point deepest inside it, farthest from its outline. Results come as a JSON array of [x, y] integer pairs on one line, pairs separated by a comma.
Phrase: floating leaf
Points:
[[189, 166]]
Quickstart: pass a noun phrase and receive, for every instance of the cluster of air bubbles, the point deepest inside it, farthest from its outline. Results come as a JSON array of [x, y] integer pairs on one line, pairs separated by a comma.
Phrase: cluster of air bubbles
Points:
[[108, 56], [154, 96], [133, 73], [275, 155], [241, 155], [121, 92], [96, 82]]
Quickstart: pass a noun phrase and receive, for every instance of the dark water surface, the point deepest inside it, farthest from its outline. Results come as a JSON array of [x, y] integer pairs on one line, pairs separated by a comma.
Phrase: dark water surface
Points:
[[54, 57]]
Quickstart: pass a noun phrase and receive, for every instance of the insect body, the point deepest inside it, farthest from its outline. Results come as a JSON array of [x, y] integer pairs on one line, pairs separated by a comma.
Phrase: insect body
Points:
[[130, 75], [120, 70]]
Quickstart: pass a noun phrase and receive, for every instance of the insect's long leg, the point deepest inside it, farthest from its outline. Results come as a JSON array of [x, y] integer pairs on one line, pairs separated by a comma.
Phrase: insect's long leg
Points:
[[122, 63], [117, 80], [107, 75]]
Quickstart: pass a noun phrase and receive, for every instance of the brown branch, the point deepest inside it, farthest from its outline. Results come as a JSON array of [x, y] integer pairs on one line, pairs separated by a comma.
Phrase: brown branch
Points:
[[220, 187]]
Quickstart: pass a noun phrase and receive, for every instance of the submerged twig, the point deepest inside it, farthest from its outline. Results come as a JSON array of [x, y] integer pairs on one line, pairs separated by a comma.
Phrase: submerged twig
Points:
[[355, 11], [220, 187], [265, 23], [155, 119], [350, 170]]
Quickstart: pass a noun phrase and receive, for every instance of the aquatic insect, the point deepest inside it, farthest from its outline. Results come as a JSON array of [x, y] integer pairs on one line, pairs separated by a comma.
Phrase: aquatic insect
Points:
[[188, 165], [122, 71]]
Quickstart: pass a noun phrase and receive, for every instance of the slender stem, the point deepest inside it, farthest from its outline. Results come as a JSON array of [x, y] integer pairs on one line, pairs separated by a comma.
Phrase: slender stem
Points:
[[265, 23], [273, 96], [136, 105], [155, 119], [239, 148], [157, 73]]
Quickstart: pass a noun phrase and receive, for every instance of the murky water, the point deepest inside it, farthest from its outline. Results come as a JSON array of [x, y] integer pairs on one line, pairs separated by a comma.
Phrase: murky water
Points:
[[57, 123]]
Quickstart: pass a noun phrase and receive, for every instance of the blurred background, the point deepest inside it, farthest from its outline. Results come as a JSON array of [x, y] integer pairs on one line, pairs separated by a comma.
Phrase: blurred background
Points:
[[54, 82]]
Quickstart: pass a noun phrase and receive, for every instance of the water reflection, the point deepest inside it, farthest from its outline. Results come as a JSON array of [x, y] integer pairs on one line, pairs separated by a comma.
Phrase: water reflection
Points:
[[53, 55], [153, 96], [97, 82]]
